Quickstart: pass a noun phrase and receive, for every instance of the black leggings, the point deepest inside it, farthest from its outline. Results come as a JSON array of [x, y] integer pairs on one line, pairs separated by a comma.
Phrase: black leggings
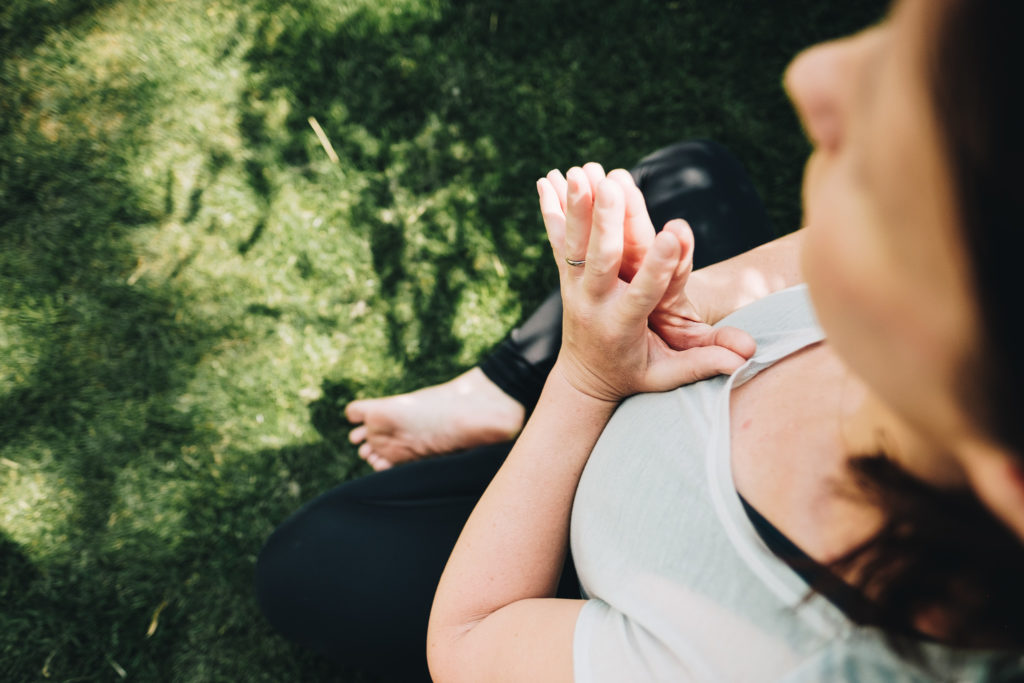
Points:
[[352, 574]]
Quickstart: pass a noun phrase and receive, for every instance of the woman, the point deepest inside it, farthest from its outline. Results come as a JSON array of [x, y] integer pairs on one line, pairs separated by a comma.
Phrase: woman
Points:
[[881, 466], [352, 574]]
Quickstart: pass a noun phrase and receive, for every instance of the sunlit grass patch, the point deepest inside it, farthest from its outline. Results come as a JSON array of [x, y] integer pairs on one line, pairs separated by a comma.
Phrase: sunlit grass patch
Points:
[[36, 505]]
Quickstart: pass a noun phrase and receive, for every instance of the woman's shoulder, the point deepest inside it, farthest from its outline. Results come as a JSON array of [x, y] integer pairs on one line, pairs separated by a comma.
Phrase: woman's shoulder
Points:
[[783, 311]]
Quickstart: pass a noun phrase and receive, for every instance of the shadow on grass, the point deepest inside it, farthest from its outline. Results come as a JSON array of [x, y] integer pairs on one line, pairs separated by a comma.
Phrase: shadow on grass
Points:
[[25, 23], [108, 360], [95, 402]]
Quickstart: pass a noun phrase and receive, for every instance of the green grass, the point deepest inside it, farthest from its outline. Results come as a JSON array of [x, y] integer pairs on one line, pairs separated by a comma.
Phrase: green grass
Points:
[[190, 289]]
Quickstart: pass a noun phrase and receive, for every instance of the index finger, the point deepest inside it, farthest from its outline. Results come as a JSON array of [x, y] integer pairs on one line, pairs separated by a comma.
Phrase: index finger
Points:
[[653, 277], [639, 230]]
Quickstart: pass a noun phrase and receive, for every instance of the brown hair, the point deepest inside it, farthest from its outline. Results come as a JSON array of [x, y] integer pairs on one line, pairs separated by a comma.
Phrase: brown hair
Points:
[[942, 549]]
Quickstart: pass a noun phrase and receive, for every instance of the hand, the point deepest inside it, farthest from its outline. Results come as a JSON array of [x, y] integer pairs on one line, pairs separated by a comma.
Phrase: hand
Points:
[[608, 351], [677, 318]]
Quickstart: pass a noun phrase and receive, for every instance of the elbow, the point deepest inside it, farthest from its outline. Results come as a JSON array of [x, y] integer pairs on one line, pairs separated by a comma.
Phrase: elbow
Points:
[[436, 655], [448, 657], [442, 661], [441, 653], [437, 662]]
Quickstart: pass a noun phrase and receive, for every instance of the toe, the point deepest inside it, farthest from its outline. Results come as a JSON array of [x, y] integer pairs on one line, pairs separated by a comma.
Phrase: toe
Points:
[[357, 435], [378, 463], [356, 411]]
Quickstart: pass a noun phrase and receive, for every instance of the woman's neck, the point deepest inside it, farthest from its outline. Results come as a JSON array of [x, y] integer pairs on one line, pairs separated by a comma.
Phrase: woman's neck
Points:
[[870, 427]]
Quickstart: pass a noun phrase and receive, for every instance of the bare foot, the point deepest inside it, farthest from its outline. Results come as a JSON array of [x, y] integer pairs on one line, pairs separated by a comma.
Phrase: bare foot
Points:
[[469, 410]]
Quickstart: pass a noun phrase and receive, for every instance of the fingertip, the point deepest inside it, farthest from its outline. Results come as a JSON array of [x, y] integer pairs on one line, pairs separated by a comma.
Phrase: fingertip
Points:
[[594, 172], [634, 198], [681, 229], [729, 365], [736, 340], [717, 360], [546, 192], [623, 177], [609, 194], [558, 184], [667, 246], [576, 179]]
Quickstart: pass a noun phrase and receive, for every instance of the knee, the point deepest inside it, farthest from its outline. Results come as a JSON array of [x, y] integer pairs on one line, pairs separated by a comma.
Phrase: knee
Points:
[[299, 578], [279, 581], [347, 578], [688, 165], [703, 183]]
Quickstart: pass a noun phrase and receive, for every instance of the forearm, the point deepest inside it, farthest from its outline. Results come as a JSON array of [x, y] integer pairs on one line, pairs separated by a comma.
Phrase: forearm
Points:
[[724, 287], [513, 545]]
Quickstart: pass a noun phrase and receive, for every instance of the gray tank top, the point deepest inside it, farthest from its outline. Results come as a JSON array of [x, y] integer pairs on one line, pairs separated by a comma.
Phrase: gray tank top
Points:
[[679, 585]]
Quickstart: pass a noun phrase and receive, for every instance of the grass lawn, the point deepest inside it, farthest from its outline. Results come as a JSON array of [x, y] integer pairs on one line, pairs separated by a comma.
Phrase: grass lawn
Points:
[[191, 288]]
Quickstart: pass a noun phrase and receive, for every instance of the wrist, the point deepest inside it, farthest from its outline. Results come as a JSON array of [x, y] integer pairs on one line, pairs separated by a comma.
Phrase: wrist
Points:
[[572, 384]]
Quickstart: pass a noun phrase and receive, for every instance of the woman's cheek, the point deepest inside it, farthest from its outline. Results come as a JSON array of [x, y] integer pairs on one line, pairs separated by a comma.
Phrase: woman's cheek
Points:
[[824, 252], [842, 264]]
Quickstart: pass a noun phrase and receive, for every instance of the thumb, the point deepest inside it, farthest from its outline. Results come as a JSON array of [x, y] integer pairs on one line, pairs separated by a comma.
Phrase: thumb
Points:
[[734, 339], [693, 365]]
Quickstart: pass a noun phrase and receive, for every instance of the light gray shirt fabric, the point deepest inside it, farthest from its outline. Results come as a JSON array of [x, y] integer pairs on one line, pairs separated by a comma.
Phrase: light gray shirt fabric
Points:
[[680, 586]]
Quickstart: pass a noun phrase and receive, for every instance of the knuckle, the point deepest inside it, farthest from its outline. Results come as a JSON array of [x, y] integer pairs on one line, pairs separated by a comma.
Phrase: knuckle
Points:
[[601, 268]]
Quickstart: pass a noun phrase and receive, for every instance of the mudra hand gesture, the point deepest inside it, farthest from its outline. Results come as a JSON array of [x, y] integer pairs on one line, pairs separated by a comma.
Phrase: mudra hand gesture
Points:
[[618, 280]]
